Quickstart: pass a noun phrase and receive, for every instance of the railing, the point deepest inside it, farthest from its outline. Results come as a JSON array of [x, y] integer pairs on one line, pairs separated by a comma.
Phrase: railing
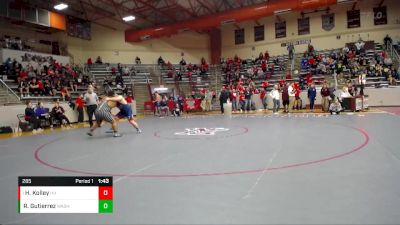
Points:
[[394, 54], [9, 91]]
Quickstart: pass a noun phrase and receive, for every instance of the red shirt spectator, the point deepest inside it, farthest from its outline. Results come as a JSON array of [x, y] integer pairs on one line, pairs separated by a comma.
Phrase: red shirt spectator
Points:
[[281, 82], [265, 84], [297, 91], [129, 99], [264, 66], [204, 64], [262, 94], [189, 67], [40, 85], [233, 95], [23, 75], [311, 61], [241, 96], [266, 55], [89, 61], [79, 102]]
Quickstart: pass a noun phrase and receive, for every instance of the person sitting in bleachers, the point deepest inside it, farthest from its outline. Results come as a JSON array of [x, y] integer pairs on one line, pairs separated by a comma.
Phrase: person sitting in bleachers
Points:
[[203, 66], [58, 113], [359, 46], [99, 60], [34, 87], [137, 60], [23, 88], [160, 61]]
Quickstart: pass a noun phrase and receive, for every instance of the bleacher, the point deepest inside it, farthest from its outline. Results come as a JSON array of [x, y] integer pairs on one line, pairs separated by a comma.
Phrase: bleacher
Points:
[[274, 76], [194, 83], [374, 82]]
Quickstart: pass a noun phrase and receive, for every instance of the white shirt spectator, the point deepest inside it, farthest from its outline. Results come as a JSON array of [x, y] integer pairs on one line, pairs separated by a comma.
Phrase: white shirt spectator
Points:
[[275, 94], [359, 45], [125, 70], [388, 61], [291, 92]]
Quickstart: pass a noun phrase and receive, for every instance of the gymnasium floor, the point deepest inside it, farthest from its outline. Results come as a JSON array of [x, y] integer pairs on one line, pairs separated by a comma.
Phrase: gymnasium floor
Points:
[[253, 169]]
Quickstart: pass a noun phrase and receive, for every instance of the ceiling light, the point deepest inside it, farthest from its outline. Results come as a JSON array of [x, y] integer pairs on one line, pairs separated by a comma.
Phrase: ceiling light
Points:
[[128, 18], [61, 6]]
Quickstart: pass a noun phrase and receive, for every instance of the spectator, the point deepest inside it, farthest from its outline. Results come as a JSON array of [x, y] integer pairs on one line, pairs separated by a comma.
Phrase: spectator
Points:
[[91, 101], [164, 110], [285, 98], [290, 48], [335, 107], [137, 60], [30, 116], [160, 61], [43, 114], [79, 107], [297, 101], [325, 94], [208, 98], [292, 97], [23, 88], [359, 46], [312, 95], [99, 60], [89, 62], [388, 41], [223, 98], [263, 97], [234, 100], [247, 99], [125, 71], [275, 99], [182, 62], [177, 110], [35, 88], [23, 75], [58, 114], [157, 102]]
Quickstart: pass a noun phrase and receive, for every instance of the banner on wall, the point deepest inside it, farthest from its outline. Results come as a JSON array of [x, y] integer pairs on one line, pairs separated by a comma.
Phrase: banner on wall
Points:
[[328, 21], [78, 28], [298, 42], [303, 25], [280, 29], [353, 19], [239, 36], [380, 15]]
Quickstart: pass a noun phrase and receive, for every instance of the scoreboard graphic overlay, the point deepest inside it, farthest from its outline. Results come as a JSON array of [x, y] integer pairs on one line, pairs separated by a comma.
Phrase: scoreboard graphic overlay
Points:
[[65, 194]]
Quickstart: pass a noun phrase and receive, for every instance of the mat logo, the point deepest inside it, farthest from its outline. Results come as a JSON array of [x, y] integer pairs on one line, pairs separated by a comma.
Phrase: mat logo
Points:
[[201, 131]]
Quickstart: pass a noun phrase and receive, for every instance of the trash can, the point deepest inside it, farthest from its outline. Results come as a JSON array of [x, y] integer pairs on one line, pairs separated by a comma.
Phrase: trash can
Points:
[[227, 109]]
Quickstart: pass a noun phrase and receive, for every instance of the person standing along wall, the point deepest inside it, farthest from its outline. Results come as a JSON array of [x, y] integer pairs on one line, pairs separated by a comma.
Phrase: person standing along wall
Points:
[[91, 101], [275, 98], [312, 94], [325, 93]]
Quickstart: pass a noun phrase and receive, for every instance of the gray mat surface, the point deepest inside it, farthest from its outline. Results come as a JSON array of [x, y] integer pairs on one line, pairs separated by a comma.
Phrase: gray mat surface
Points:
[[300, 169]]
